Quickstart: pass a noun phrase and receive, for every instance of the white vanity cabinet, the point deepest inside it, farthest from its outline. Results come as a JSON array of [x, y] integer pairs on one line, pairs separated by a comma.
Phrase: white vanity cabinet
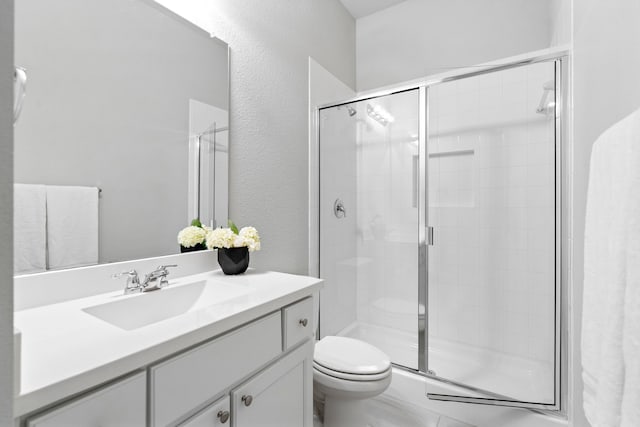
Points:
[[278, 396], [122, 404], [255, 370], [188, 381], [278, 393]]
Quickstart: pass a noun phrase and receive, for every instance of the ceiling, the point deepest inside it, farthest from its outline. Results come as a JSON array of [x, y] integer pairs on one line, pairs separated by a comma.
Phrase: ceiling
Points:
[[360, 8]]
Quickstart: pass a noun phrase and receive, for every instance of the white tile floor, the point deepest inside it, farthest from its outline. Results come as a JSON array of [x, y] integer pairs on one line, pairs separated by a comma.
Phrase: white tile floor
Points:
[[384, 411]]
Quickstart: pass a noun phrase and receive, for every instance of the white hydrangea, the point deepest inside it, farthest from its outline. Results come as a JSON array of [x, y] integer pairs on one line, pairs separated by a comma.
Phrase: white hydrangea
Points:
[[220, 238], [250, 238], [191, 236]]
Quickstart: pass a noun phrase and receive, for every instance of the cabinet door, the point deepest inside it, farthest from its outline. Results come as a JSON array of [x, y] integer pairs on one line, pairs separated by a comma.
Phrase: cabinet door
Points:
[[123, 404], [297, 323], [216, 415], [188, 381], [279, 396]]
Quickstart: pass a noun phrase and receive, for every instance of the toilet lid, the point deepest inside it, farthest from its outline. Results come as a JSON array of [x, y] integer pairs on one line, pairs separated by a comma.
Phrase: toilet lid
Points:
[[350, 356]]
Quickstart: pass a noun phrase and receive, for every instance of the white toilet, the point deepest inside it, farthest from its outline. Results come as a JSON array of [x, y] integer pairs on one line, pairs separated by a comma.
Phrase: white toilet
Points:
[[345, 372]]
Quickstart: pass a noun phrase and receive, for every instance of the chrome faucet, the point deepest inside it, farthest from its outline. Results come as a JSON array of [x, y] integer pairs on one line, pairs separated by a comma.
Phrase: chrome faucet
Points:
[[157, 279], [133, 281], [153, 281]]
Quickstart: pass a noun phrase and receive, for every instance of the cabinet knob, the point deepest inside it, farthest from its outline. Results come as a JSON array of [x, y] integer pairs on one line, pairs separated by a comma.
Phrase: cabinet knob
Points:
[[223, 416], [247, 399], [303, 322]]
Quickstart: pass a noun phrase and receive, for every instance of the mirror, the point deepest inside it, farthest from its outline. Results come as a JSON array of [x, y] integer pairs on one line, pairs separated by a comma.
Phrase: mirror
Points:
[[127, 103]]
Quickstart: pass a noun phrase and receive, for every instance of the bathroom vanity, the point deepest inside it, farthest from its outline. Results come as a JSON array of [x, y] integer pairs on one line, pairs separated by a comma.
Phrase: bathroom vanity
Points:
[[207, 350]]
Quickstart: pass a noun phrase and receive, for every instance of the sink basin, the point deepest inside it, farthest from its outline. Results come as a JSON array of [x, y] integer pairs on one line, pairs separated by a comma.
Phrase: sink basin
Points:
[[133, 312]]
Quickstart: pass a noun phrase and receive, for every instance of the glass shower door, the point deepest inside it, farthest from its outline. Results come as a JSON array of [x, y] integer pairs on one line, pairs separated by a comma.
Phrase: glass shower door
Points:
[[492, 212], [369, 217]]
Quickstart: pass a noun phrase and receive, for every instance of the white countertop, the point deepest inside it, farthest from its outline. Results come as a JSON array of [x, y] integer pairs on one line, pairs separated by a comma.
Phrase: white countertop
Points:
[[66, 350]]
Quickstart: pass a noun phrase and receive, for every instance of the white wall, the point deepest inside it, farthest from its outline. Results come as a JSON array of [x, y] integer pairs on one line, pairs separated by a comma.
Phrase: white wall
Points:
[[560, 16], [606, 36], [6, 212], [421, 37], [270, 44]]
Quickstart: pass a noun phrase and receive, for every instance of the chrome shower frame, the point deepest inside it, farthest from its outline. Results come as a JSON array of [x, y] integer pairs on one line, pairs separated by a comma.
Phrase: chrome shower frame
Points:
[[561, 58]]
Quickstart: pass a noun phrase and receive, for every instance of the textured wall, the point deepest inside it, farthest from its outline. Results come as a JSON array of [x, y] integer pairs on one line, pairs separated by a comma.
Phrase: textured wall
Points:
[[606, 37], [270, 43], [421, 37], [6, 211]]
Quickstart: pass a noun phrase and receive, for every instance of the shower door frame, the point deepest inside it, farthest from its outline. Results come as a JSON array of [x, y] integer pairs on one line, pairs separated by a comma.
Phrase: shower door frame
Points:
[[561, 57], [426, 239]]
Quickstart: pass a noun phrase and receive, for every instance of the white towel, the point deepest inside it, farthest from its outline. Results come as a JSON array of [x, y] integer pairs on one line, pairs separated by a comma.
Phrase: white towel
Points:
[[611, 305], [29, 224], [72, 226]]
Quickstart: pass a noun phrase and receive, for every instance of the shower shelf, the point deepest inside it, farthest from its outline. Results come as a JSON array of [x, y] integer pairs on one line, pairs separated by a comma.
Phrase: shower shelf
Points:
[[452, 153]]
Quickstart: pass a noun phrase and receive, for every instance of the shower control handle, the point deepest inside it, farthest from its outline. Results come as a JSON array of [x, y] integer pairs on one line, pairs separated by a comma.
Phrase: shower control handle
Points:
[[339, 210]]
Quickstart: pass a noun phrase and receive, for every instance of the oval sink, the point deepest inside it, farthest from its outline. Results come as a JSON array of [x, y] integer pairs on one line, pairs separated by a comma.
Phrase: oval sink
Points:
[[136, 311]]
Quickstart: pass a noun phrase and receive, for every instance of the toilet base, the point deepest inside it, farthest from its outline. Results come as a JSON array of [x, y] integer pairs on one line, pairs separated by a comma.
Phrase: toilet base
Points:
[[341, 412]]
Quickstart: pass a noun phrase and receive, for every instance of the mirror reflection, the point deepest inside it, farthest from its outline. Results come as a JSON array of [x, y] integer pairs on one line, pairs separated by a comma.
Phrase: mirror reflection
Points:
[[123, 132]]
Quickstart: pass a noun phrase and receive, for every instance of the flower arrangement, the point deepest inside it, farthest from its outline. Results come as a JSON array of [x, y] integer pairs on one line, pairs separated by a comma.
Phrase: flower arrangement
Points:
[[233, 245], [194, 236], [231, 237]]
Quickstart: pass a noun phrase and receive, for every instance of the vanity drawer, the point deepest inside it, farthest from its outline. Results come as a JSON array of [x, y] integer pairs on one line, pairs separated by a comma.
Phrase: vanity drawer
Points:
[[297, 321], [190, 380], [122, 404]]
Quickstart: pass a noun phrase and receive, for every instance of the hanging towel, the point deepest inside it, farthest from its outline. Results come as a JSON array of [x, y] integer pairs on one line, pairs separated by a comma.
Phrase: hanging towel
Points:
[[72, 226], [611, 304], [29, 224]]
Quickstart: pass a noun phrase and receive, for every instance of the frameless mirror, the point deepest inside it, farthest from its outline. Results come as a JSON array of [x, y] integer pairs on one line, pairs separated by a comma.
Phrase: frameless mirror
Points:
[[123, 134]]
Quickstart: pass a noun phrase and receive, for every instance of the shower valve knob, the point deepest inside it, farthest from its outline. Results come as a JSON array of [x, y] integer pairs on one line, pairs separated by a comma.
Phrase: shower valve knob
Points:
[[338, 209]]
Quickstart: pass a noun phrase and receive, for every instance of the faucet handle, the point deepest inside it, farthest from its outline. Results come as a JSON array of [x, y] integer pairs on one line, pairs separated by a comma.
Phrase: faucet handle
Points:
[[132, 279], [163, 268], [131, 274], [163, 273]]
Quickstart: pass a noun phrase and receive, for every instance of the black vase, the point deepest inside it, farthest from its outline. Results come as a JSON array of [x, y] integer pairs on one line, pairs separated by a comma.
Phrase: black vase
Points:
[[198, 247], [233, 260]]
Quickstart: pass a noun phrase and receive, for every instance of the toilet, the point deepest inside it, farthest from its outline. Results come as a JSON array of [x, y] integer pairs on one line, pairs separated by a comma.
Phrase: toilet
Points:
[[347, 371]]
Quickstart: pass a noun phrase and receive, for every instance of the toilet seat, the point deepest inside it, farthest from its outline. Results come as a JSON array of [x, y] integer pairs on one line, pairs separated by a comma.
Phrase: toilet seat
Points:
[[350, 359], [350, 377]]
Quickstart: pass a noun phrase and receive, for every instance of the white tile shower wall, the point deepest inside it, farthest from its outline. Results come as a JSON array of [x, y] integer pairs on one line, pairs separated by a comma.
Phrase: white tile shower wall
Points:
[[491, 188], [387, 216]]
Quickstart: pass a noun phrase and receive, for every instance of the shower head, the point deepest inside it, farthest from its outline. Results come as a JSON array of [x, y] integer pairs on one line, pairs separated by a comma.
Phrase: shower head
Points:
[[19, 91], [547, 102], [352, 111]]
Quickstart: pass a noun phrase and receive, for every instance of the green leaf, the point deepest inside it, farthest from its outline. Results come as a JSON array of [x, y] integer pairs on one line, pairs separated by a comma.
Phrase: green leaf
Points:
[[233, 227], [196, 223]]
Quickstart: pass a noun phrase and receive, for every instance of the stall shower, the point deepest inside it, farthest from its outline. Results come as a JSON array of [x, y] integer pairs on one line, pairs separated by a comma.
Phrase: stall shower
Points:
[[441, 229]]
